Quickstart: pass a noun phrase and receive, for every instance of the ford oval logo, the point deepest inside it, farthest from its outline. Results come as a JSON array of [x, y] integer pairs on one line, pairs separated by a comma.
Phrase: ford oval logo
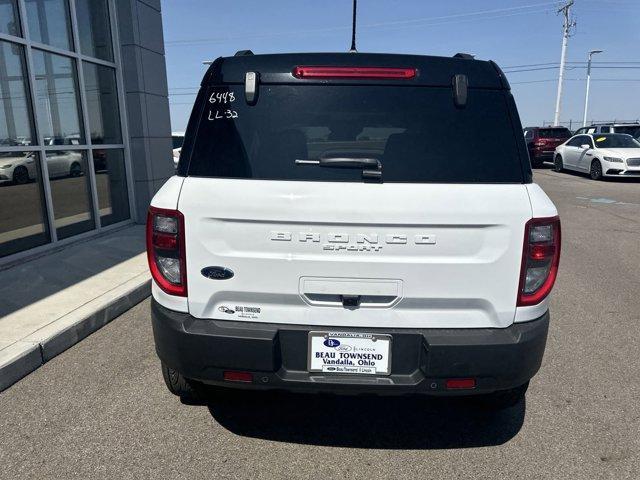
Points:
[[331, 342], [217, 273]]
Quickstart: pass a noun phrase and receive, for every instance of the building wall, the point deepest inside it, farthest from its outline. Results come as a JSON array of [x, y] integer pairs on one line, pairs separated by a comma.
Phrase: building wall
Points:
[[146, 93], [85, 134]]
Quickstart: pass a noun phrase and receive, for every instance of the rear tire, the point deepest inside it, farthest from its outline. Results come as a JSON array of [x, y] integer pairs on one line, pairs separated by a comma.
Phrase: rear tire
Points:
[[179, 385], [596, 170], [537, 163], [558, 165], [502, 399]]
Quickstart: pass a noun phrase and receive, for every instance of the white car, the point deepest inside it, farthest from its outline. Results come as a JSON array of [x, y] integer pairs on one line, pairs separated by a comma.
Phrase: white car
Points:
[[330, 231], [177, 139], [600, 155], [17, 167], [65, 163], [20, 168]]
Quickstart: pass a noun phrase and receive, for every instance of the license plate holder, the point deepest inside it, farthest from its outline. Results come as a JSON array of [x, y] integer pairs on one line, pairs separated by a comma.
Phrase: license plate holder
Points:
[[351, 353]]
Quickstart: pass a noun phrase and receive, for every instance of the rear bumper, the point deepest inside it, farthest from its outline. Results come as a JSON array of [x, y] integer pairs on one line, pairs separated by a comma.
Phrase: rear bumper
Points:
[[276, 354], [542, 154]]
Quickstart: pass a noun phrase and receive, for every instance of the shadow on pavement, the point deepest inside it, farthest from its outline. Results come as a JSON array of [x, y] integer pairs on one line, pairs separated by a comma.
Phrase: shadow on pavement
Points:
[[365, 421]]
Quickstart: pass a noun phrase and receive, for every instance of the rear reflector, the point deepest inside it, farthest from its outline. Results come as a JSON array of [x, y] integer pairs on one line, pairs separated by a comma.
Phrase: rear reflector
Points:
[[354, 72], [233, 376], [460, 383]]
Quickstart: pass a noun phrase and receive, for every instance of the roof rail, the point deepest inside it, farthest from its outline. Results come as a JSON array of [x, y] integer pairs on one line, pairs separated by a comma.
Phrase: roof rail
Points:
[[242, 53], [465, 56], [618, 122]]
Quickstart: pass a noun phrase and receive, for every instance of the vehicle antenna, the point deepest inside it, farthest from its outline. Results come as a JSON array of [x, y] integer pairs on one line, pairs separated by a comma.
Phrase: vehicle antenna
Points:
[[353, 31]]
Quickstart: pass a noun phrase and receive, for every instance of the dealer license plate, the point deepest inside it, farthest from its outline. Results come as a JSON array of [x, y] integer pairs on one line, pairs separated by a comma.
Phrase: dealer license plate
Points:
[[347, 352]]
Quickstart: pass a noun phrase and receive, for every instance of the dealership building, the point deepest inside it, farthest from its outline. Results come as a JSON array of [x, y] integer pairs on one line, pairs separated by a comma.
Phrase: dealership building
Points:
[[84, 119]]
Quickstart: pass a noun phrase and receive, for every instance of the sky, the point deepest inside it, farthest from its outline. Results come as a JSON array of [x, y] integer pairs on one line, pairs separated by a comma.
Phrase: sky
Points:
[[523, 36]]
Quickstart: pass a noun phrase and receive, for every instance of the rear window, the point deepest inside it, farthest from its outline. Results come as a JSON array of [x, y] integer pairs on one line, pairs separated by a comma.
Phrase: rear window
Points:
[[417, 134], [558, 133]]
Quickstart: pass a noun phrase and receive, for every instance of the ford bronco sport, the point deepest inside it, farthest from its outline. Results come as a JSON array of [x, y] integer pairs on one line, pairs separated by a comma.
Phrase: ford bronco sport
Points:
[[353, 223]]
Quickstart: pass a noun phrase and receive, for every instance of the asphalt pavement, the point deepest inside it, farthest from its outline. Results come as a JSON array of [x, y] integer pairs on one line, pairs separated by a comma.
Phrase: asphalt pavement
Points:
[[101, 410]]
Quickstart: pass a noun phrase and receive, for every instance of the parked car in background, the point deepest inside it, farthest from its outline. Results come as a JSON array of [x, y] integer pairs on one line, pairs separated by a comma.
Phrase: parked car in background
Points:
[[17, 167], [20, 167], [632, 129], [177, 138], [600, 155], [542, 142], [58, 141], [67, 163]]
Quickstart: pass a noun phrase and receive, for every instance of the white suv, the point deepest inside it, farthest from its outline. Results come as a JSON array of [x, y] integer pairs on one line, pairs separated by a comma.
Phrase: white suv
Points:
[[632, 129], [360, 223]]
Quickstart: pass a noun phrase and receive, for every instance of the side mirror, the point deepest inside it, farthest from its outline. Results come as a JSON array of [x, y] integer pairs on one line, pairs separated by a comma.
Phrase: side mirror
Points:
[[584, 146]]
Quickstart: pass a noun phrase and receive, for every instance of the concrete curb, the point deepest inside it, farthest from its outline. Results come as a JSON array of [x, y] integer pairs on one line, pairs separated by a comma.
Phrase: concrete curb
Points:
[[24, 356], [19, 360]]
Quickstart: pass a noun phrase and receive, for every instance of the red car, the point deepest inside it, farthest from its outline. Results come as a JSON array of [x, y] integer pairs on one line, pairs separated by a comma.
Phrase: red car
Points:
[[542, 142]]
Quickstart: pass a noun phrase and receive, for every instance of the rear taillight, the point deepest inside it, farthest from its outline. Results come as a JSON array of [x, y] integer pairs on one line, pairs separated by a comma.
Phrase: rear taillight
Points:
[[165, 250], [540, 259], [354, 72]]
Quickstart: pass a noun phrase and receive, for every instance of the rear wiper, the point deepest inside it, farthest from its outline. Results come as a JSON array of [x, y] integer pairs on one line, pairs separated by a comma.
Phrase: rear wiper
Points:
[[371, 167]]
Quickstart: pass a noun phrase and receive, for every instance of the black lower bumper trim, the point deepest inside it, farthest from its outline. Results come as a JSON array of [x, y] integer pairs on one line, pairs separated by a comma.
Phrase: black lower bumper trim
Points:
[[276, 354]]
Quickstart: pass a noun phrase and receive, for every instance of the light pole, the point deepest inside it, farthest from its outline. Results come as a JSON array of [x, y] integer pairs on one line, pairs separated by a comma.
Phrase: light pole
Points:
[[567, 25], [586, 98]]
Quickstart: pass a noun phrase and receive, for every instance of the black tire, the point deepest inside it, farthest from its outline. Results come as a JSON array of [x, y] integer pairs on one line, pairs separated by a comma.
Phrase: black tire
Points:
[[558, 165], [75, 170], [178, 385], [537, 163], [503, 398], [596, 170], [20, 175]]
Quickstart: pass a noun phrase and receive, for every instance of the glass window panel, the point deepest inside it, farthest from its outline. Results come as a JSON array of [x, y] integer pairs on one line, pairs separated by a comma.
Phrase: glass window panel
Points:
[[69, 183], [15, 108], [111, 183], [23, 222], [49, 22], [93, 26], [57, 102], [102, 103], [9, 23]]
